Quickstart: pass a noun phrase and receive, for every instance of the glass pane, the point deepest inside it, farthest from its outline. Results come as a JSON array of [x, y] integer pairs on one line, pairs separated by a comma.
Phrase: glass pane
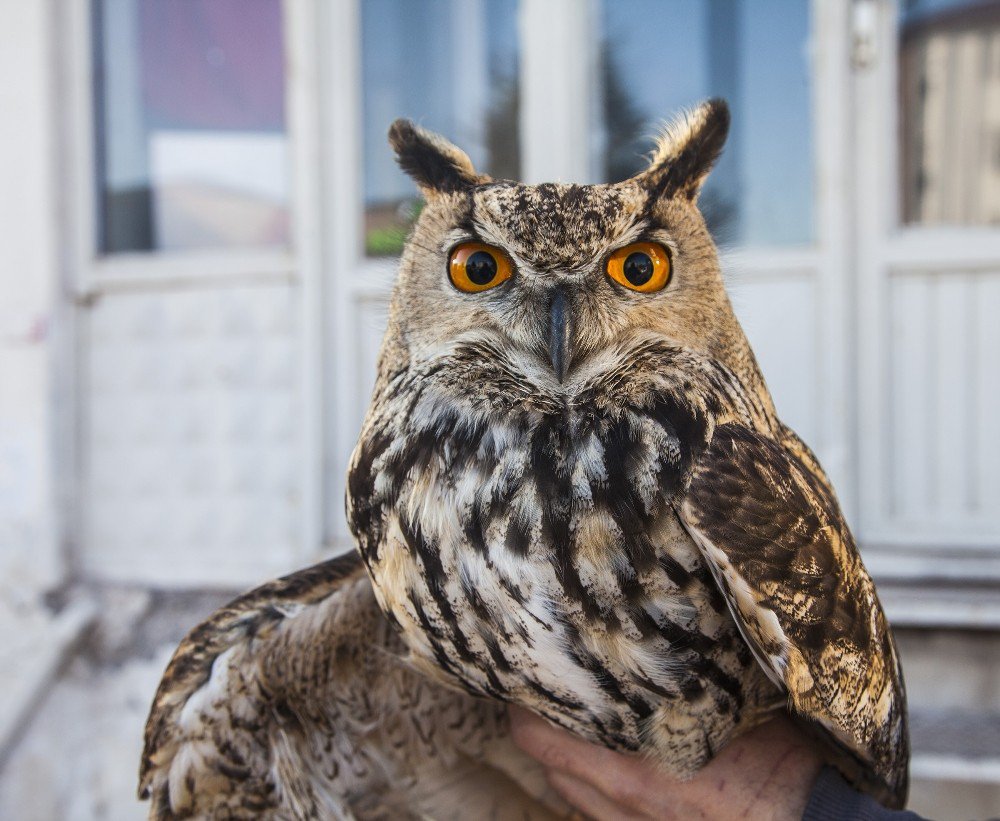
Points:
[[663, 55], [191, 142], [450, 66], [949, 92]]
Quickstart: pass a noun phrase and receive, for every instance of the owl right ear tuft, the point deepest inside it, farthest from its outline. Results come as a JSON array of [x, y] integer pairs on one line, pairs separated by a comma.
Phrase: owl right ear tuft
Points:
[[686, 151], [434, 164]]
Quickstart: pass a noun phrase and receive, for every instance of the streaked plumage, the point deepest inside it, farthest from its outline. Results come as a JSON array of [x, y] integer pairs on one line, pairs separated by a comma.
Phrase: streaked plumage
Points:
[[294, 702], [619, 534]]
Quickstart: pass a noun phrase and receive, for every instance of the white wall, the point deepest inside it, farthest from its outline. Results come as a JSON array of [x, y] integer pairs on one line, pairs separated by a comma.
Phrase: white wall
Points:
[[29, 323], [190, 435]]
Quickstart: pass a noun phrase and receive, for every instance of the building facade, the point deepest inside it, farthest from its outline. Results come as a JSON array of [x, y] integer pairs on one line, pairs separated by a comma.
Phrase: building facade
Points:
[[200, 221]]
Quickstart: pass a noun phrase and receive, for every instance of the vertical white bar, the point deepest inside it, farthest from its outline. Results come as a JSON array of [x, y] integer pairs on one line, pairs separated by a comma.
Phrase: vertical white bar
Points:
[[80, 147], [910, 447], [836, 388], [30, 559], [874, 214], [302, 82], [557, 120], [949, 401], [79, 219], [339, 25], [66, 334], [986, 482]]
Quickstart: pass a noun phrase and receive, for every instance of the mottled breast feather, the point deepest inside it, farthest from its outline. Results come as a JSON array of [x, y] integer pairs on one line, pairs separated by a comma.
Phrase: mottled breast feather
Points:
[[528, 545], [525, 543]]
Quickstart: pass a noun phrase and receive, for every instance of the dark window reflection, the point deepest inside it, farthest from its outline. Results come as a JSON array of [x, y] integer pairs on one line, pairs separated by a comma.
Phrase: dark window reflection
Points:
[[662, 55], [449, 66], [191, 143], [949, 75]]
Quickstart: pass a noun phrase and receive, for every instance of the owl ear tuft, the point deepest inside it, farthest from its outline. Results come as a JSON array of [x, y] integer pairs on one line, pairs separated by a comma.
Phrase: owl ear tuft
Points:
[[434, 164], [686, 151]]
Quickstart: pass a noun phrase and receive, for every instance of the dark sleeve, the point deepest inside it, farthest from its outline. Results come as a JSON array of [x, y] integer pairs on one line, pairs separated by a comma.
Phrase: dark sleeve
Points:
[[833, 800]]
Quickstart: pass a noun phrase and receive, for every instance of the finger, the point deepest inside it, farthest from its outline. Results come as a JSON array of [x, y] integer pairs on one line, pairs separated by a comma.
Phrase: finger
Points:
[[623, 779], [555, 747], [592, 802]]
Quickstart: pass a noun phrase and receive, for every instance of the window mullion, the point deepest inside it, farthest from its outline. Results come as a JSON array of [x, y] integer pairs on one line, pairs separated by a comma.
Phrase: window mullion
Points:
[[558, 49]]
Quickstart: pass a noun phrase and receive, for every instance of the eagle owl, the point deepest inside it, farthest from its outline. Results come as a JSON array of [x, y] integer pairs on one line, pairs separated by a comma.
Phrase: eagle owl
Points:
[[571, 492]]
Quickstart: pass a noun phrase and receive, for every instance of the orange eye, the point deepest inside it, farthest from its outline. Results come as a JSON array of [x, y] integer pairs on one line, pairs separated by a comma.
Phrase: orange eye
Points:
[[641, 266], [475, 267]]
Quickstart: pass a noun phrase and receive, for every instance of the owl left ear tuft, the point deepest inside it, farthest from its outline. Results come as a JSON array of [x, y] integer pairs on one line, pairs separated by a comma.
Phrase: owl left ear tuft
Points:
[[434, 164], [686, 151]]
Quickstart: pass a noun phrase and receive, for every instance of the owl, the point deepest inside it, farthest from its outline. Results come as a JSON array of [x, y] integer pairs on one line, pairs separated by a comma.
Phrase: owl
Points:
[[571, 492]]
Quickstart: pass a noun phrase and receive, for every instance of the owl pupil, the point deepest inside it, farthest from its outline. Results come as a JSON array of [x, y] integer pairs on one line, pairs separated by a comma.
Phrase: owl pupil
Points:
[[638, 268], [480, 268]]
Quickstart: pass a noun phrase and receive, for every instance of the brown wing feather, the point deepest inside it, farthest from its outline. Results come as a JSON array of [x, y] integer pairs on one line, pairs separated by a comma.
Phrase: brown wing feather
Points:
[[293, 702], [766, 520]]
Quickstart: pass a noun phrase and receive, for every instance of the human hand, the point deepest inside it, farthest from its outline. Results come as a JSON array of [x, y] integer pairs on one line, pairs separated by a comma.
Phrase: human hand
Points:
[[767, 773]]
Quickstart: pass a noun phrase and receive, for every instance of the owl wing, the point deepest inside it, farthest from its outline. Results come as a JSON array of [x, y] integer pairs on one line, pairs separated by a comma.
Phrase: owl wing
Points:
[[293, 702], [767, 522]]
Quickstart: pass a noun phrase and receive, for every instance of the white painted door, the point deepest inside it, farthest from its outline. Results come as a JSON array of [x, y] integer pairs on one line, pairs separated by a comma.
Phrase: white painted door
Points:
[[927, 222], [195, 211]]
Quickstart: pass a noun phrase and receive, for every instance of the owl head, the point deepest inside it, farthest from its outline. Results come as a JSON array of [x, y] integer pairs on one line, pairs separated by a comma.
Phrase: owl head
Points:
[[554, 276]]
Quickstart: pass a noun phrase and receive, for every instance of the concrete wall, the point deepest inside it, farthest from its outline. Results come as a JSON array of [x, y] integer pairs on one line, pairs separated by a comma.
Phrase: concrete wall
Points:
[[30, 320]]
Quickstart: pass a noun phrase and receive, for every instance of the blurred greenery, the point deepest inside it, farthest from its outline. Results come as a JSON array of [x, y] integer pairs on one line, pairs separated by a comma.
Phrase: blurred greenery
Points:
[[389, 240], [385, 242]]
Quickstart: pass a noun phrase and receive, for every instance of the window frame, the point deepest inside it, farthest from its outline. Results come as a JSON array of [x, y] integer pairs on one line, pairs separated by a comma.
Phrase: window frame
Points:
[[90, 275], [950, 553], [95, 271]]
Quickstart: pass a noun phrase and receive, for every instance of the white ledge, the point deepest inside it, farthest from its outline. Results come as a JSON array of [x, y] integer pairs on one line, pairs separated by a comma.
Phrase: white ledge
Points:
[[933, 767], [26, 679], [936, 605]]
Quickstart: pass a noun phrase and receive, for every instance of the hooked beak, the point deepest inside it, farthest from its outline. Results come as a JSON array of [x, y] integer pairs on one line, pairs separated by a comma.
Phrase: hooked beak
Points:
[[560, 333]]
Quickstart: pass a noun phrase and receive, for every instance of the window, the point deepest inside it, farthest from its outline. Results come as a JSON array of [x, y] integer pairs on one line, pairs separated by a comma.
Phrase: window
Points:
[[452, 67], [190, 124], [663, 55], [949, 82]]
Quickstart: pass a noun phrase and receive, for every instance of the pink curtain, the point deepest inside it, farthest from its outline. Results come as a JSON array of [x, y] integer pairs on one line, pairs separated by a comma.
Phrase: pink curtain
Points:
[[213, 64]]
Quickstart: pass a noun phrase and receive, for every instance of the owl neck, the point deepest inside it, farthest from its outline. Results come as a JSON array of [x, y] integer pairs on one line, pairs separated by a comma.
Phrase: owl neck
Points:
[[733, 351], [459, 417]]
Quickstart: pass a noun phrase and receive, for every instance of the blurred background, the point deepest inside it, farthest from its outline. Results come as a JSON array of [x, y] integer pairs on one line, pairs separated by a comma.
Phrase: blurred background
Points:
[[200, 218]]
